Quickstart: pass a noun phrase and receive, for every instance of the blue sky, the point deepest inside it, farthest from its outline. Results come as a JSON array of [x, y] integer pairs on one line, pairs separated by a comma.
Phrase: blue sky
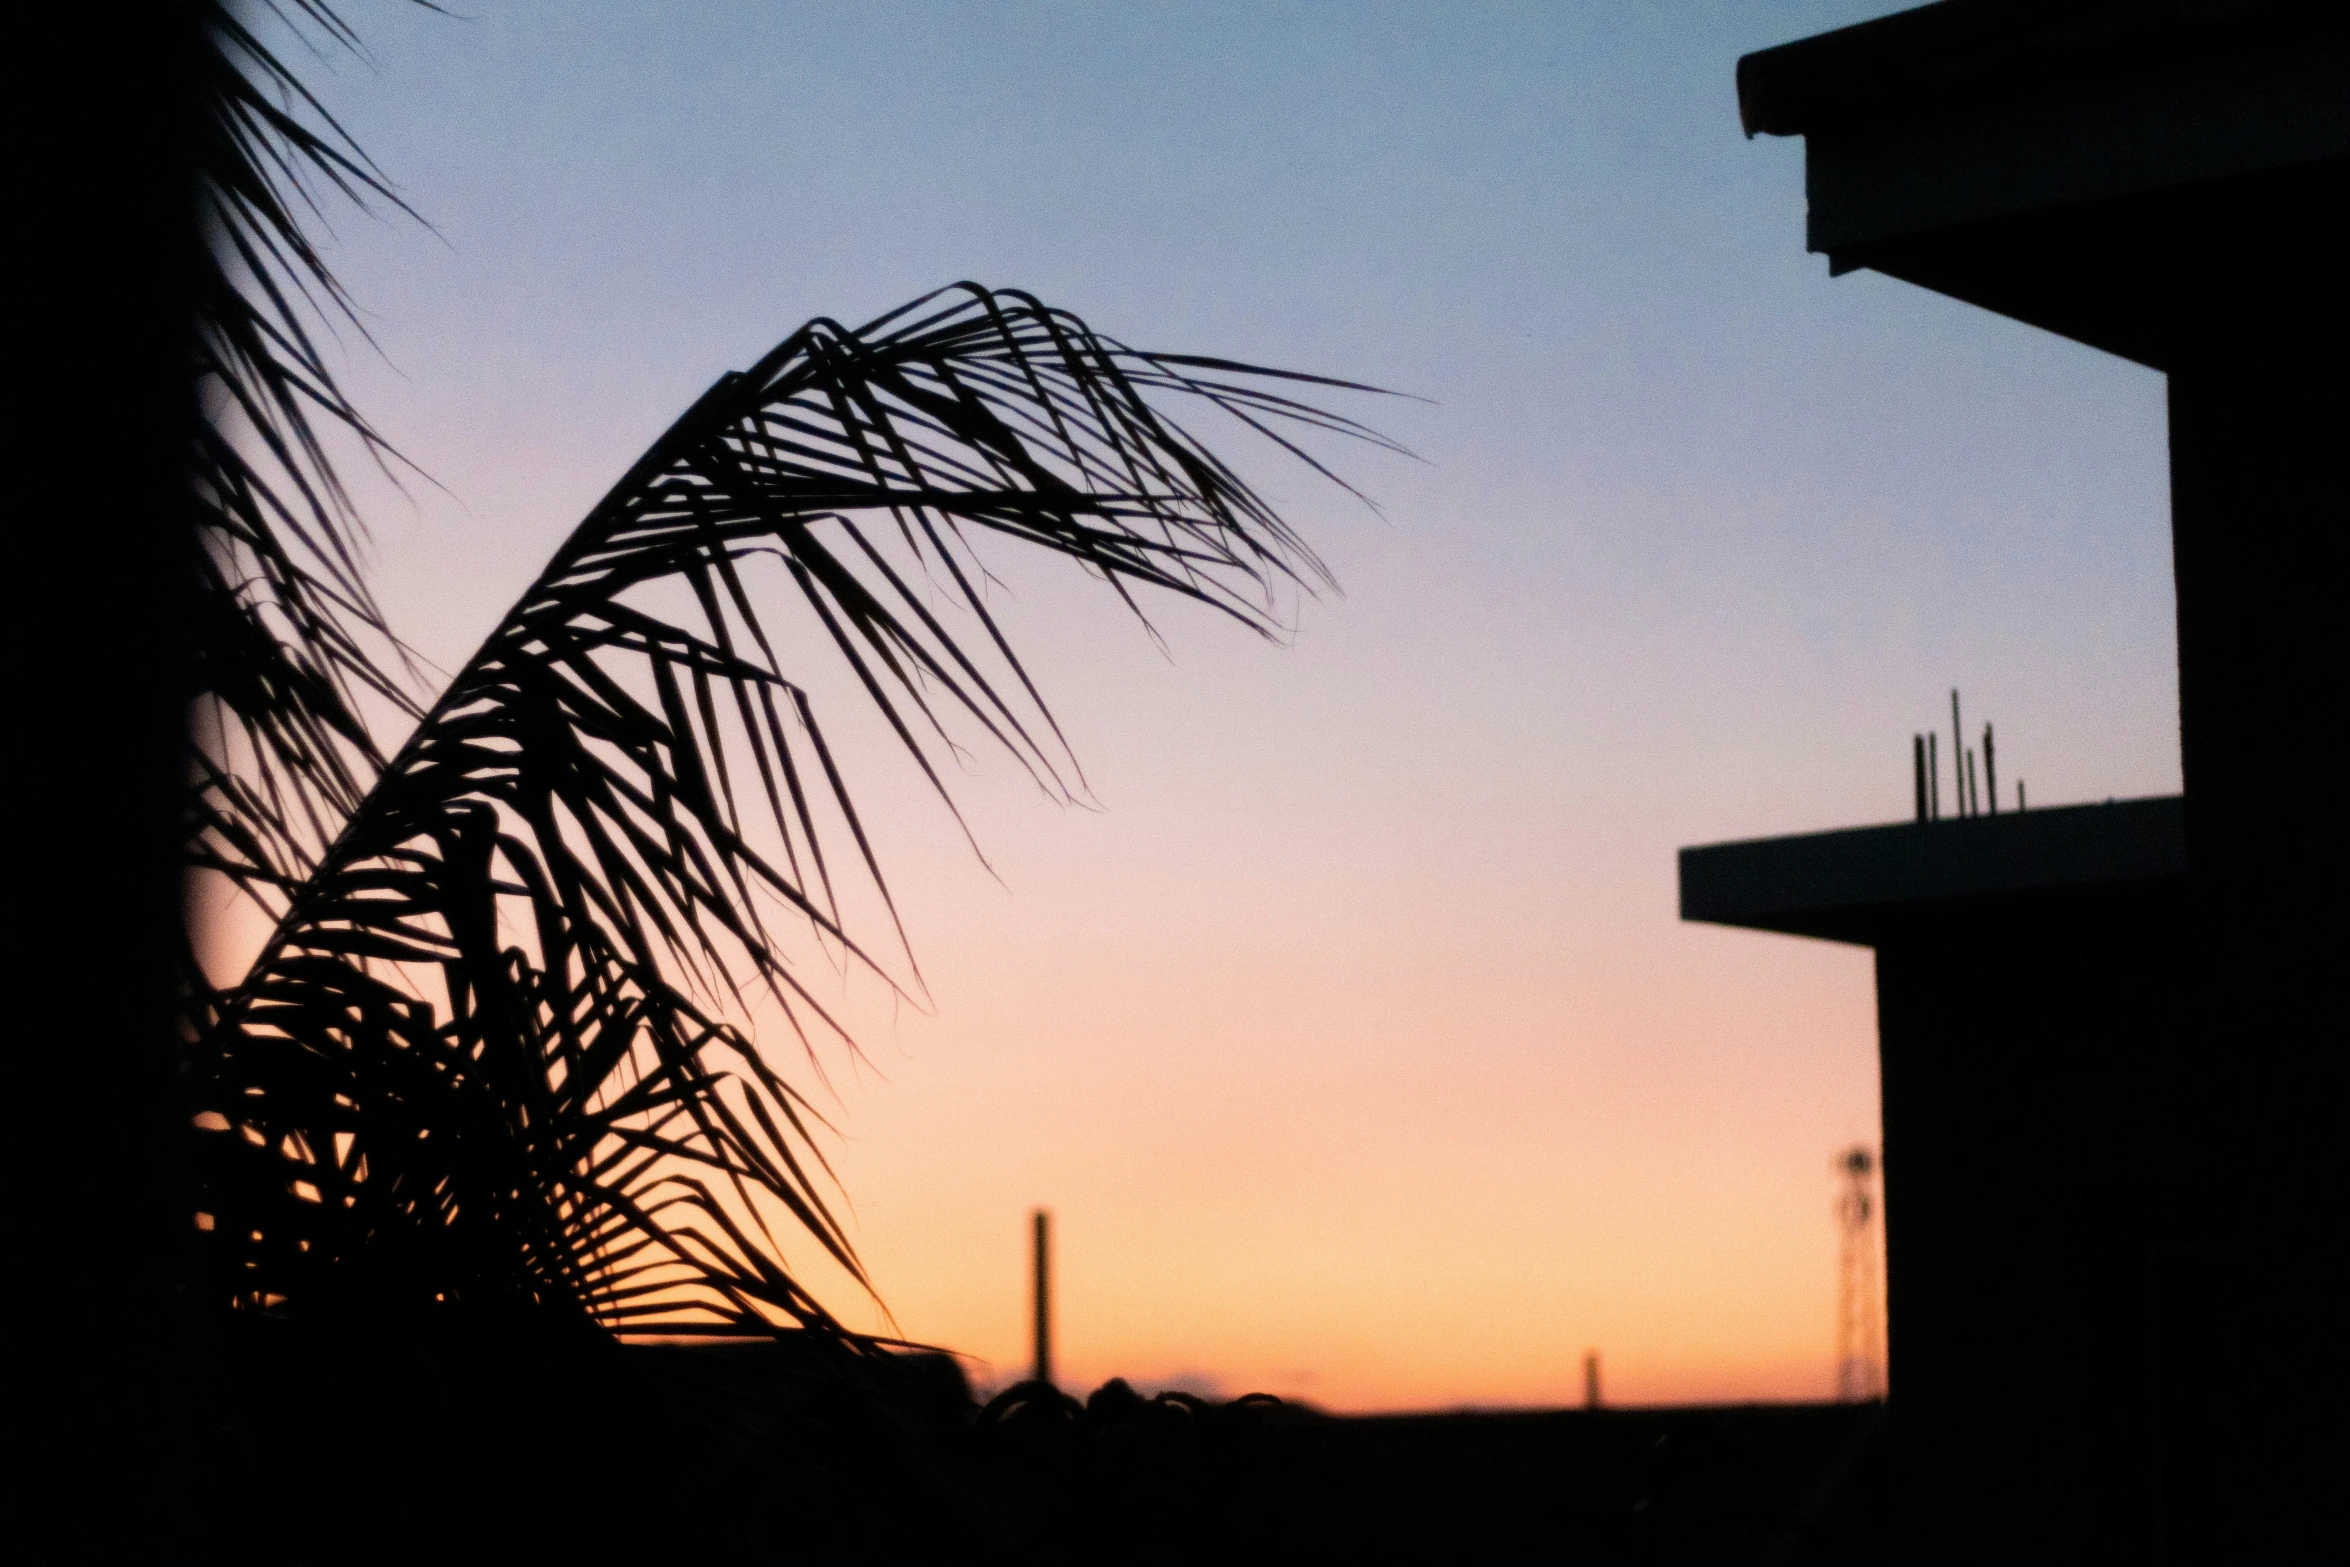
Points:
[[1357, 1024]]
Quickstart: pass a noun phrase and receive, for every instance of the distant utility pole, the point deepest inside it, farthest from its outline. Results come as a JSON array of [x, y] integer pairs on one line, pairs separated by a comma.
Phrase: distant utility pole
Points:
[[1042, 1246], [1591, 1379], [1860, 1355]]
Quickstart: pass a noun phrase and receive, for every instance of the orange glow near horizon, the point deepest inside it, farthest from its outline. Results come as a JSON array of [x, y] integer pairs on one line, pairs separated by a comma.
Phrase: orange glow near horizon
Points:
[[1353, 1118], [1447, 1209]]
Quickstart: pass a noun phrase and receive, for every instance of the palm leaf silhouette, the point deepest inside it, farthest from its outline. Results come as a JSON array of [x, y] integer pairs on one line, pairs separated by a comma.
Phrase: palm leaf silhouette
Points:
[[496, 1057], [291, 646], [496, 1053]]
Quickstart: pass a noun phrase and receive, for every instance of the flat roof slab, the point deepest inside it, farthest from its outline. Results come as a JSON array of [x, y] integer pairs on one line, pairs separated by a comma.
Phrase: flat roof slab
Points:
[[1854, 884]]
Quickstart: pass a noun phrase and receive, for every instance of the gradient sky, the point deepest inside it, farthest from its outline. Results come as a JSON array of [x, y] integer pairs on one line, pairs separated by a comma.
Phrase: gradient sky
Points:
[[1354, 1039]]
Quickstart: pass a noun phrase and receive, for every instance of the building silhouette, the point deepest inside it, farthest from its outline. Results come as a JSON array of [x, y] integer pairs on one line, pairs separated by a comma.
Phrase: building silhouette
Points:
[[2141, 999]]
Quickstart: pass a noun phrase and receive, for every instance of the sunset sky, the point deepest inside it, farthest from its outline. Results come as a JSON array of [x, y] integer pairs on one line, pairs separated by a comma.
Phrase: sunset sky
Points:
[[1353, 1038]]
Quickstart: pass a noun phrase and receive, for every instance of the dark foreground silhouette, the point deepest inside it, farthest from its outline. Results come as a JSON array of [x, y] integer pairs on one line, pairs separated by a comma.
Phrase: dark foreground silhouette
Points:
[[1122, 1479], [537, 1448]]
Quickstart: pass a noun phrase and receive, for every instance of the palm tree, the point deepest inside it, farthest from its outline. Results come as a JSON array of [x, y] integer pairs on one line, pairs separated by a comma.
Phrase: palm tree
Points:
[[494, 1063], [494, 1050]]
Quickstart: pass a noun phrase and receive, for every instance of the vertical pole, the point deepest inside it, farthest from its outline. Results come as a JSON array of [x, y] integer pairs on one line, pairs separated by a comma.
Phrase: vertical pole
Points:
[[1957, 753], [1933, 778], [1917, 771], [1973, 800], [1990, 771], [1591, 1379], [1041, 1244]]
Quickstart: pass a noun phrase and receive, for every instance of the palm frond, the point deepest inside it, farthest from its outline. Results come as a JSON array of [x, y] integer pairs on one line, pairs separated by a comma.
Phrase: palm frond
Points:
[[293, 649], [498, 1049]]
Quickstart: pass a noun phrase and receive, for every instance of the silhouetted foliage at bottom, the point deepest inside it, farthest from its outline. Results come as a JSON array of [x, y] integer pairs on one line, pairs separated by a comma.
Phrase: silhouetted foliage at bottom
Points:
[[1122, 1479], [530, 1443]]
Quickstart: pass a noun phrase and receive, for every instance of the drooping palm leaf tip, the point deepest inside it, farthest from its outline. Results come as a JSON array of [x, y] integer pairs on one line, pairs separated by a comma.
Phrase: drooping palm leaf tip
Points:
[[291, 646], [497, 1051]]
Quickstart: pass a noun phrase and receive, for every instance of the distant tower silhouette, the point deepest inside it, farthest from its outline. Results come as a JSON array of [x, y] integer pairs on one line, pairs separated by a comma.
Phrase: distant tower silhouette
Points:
[[1041, 1257], [1860, 1353]]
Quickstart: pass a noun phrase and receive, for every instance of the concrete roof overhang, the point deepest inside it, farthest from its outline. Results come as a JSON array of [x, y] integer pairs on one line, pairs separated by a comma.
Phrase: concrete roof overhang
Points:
[[1865, 883], [2128, 173]]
